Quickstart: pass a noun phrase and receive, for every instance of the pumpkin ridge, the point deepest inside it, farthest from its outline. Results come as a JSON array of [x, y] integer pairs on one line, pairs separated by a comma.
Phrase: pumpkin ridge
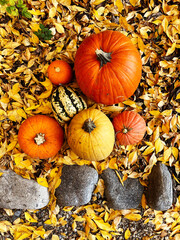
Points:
[[114, 43], [111, 92], [112, 72], [128, 120], [124, 83]]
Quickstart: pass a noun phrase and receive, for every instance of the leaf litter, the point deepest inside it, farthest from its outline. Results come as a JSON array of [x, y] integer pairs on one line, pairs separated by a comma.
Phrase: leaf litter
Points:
[[25, 90]]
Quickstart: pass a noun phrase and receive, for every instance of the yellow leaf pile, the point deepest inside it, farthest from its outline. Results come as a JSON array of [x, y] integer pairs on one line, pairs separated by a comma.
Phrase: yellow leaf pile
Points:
[[25, 90]]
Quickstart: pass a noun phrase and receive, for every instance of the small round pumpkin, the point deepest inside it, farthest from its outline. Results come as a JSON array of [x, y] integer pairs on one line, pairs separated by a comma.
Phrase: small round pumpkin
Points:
[[130, 127], [40, 136], [91, 135], [66, 102], [108, 67], [59, 72]]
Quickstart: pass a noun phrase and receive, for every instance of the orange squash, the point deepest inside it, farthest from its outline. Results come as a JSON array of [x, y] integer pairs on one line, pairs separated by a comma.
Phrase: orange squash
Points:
[[130, 127], [59, 72], [40, 136]]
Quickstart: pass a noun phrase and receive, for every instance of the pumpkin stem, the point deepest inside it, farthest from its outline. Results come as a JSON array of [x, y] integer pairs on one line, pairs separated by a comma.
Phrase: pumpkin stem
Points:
[[39, 139], [126, 130], [57, 69], [103, 57], [88, 125]]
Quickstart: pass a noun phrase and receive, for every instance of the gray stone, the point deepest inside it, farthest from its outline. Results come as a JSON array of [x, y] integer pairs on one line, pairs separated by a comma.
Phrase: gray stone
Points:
[[17, 192], [118, 196], [159, 194], [77, 185]]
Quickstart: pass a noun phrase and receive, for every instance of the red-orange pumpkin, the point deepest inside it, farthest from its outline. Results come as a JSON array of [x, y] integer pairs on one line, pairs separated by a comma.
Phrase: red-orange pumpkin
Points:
[[108, 67], [130, 127], [40, 136]]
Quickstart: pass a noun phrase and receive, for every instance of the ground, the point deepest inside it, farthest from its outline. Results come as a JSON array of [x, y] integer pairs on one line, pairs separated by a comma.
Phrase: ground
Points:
[[153, 27]]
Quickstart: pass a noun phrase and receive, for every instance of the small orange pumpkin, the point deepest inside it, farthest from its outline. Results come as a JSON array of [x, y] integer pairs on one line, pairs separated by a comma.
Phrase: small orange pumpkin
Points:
[[59, 72], [91, 135], [40, 136], [130, 127]]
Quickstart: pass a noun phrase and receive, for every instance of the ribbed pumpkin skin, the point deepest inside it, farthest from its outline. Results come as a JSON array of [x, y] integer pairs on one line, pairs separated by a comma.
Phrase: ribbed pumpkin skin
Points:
[[66, 102], [135, 125], [53, 134], [93, 146], [116, 80]]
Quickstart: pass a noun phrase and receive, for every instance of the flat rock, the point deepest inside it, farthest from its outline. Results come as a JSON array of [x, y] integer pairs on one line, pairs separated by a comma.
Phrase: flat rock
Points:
[[159, 194], [118, 196], [17, 192], [77, 185]]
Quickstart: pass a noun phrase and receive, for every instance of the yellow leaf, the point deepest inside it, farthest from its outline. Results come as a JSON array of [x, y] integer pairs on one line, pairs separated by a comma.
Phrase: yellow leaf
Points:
[[12, 45], [91, 224], [127, 233], [105, 234], [155, 113], [167, 112], [113, 163], [21, 113], [29, 218], [4, 226], [159, 145], [134, 2], [42, 181], [143, 201], [34, 38], [175, 152], [178, 96], [119, 5], [52, 12], [55, 237], [133, 157], [133, 216], [140, 44], [165, 24], [11, 145], [34, 26], [59, 27], [48, 222], [171, 49], [167, 154], [66, 3], [148, 150], [102, 225], [36, 12], [118, 175]]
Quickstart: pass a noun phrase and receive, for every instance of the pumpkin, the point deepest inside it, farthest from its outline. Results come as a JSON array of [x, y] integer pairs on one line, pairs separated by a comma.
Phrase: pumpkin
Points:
[[108, 67], [66, 102], [59, 72], [40, 136], [130, 127], [91, 135]]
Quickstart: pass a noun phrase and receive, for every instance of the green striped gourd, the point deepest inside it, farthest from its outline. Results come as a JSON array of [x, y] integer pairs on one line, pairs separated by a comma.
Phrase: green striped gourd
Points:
[[66, 102]]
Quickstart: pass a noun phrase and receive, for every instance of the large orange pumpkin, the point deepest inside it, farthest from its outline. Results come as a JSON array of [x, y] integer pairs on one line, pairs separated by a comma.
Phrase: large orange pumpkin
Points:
[[40, 136], [130, 127], [108, 67]]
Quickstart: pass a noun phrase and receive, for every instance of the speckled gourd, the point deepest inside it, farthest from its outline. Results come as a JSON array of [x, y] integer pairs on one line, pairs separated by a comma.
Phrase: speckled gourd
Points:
[[66, 102]]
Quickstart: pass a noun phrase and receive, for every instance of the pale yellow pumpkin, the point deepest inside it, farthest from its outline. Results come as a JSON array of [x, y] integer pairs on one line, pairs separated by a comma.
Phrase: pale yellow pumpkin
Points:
[[91, 135]]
